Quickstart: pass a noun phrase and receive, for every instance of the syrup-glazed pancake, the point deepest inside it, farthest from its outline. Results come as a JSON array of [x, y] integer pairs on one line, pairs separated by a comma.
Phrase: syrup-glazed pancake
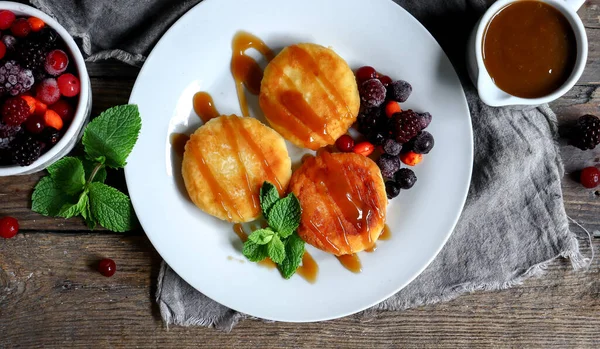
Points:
[[343, 202], [309, 95], [226, 162]]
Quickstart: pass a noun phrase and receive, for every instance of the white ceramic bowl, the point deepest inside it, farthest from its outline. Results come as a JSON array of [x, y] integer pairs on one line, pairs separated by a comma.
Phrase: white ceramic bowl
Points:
[[82, 110], [489, 93]]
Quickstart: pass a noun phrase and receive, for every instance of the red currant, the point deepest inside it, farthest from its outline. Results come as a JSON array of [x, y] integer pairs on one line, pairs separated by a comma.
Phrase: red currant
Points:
[[35, 124], [385, 80], [56, 62], [107, 267], [345, 144], [365, 73], [63, 109], [590, 177], [68, 85], [20, 28], [9, 227], [6, 19]]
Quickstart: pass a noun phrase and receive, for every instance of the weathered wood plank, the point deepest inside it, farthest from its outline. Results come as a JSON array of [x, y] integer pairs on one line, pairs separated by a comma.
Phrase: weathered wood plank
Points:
[[50, 294]]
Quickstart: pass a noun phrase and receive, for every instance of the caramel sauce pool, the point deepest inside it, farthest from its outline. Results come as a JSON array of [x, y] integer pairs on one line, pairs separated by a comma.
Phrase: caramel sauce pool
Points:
[[245, 70], [386, 234], [529, 49], [351, 262], [178, 142], [205, 107]]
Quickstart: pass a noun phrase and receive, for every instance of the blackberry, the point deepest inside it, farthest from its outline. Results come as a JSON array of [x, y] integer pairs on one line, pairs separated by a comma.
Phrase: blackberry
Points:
[[422, 143], [32, 55], [405, 125], [7, 135], [399, 91], [14, 79], [25, 150], [424, 119], [392, 147], [368, 120], [372, 93], [48, 37], [587, 132], [389, 165], [392, 189], [406, 178]]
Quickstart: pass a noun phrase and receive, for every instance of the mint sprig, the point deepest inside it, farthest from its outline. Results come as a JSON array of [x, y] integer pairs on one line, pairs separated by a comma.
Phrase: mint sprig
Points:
[[279, 241], [75, 185]]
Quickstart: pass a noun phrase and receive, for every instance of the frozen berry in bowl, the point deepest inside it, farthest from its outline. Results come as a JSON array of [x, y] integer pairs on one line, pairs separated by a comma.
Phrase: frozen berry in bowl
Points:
[[406, 178], [392, 189], [424, 119], [372, 93], [399, 91], [422, 143], [9, 227], [392, 147], [587, 132], [44, 90], [590, 177], [389, 165], [404, 126]]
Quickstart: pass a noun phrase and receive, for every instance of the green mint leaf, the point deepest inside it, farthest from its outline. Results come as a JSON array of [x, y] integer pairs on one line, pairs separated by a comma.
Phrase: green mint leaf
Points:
[[111, 208], [294, 251], [89, 167], [276, 249], [87, 215], [284, 216], [68, 174], [268, 197], [76, 209], [261, 236], [112, 135], [254, 252], [48, 199]]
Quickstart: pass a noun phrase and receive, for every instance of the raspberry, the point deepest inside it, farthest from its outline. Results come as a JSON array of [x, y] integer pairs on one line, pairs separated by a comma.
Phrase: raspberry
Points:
[[20, 28], [47, 91], [399, 91], [587, 132], [25, 150], [392, 147], [15, 111], [406, 178], [424, 119], [405, 125], [423, 143], [372, 93], [6, 19], [389, 165], [15, 80], [392, 189], [32, 54], [68, 85], [56, 62], [590, 177]]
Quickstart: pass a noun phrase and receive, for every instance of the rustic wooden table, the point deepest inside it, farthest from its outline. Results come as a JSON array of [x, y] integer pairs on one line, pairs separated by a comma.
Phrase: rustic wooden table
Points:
[[51, 296]]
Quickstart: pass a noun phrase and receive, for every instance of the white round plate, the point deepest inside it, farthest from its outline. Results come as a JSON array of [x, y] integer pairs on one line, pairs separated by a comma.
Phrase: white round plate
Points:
[[194, 55]]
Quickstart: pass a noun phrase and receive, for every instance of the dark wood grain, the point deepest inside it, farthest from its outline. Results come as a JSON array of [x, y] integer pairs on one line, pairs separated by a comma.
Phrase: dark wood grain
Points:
[[51, 296]]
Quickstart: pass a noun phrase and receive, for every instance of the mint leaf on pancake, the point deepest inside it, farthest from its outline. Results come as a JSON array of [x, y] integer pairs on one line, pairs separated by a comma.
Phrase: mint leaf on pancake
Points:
[[254, 252], [261, 236], [268, 197], [294, 251], [284, 216], [276, 249]]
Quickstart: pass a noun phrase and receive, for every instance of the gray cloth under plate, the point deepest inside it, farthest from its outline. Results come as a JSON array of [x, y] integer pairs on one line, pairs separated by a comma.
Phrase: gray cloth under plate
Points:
[[514, 220]]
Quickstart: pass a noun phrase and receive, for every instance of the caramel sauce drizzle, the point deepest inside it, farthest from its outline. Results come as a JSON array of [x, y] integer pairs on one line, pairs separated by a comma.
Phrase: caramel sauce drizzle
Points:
[[230, 134], [221, 195], [371, 249], [245, 70], [205, 107], [178, 142], [386, 234], [309, 268], [294, 102], [351, 262]]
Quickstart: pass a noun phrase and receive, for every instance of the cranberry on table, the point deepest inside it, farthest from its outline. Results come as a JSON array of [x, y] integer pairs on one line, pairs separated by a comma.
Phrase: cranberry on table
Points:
[[345, 144], [107, 267], [590, 177], [9, 227], [365, 73]]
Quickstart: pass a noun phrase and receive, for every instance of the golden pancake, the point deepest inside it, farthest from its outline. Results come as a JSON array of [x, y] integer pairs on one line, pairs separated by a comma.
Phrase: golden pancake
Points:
[[226, 162], [343, 202], [309, 95]]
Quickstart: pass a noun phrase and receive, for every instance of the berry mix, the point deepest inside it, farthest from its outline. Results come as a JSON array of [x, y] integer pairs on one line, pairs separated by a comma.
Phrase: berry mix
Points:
[[398, 134], [38, 88]]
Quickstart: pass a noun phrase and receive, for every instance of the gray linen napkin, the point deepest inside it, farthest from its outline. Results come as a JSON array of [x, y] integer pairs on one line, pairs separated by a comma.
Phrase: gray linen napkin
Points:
[[512, 225]]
